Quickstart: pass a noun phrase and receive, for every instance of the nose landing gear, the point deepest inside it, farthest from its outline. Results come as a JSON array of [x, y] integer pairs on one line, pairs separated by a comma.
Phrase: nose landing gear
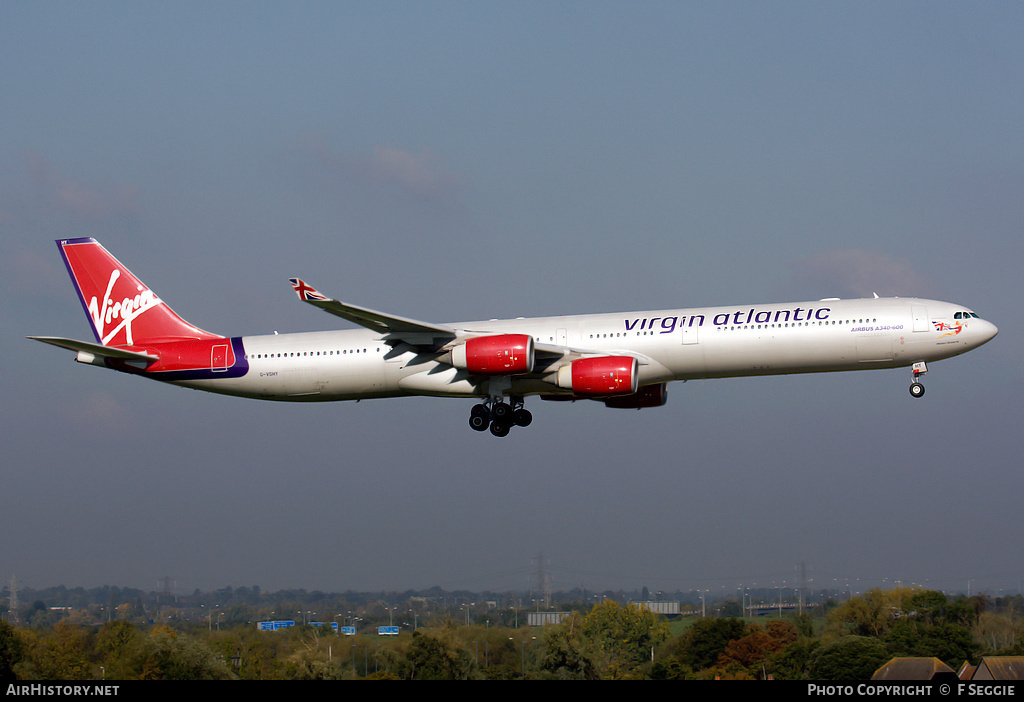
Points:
[[916, 388], [499, 416]]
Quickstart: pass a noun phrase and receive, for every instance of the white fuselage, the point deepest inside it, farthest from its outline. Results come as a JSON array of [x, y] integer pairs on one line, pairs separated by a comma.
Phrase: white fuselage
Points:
[[680, 344]]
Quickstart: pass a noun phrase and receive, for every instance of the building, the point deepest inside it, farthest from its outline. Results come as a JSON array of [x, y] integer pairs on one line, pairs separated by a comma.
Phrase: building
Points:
[[915, 669], [995, 668]]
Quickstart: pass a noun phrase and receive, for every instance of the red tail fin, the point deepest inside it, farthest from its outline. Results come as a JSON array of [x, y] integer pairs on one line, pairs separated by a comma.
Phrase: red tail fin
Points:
[[123, 311]]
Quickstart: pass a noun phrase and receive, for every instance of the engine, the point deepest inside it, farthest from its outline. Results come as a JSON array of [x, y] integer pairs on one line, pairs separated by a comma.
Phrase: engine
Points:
[[602, 375], [647, 396], [503, 354]]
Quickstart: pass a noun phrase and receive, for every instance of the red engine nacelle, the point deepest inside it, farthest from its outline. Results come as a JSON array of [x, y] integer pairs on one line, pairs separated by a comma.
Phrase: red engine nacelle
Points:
[[603, 375], [503, 354], [648, 396]]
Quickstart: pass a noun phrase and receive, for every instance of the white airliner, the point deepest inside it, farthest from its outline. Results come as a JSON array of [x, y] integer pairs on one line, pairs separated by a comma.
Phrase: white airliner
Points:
[[624, 360]]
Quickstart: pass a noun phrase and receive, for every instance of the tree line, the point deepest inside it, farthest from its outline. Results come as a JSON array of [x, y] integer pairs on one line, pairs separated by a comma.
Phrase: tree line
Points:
[[608, 640]]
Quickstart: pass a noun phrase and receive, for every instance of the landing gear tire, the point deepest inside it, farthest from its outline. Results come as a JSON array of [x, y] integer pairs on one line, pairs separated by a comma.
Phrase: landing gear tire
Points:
[[499, 416], [916, 389], [501, 411]]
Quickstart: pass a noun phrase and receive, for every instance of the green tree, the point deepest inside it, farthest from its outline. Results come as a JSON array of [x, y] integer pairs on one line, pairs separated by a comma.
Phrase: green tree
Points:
[[115, 645], [671, 669], [933, 607], [791, 662], [804, 625], [948, 642], [63, 654], [10, 652], [622, 637], [874, 613], [610, 641], [435, 656], [252, 653], [847, 658], [912, 622], [568, 654], [927, 605], [164, 654], [998, 631], [700, 647], [306, 667]]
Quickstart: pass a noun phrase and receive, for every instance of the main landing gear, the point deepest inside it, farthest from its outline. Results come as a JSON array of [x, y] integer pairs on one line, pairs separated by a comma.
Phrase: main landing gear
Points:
[[916, 388], [499, 415]]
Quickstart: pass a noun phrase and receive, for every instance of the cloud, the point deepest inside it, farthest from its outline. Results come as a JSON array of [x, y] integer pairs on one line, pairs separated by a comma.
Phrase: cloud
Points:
[[421, 174], [98, 414], [74, 197], [40, 204], [854, 273], [24, 267]]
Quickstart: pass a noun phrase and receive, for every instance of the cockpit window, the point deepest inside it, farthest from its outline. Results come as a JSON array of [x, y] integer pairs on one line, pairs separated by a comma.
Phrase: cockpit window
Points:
[[965, 315]]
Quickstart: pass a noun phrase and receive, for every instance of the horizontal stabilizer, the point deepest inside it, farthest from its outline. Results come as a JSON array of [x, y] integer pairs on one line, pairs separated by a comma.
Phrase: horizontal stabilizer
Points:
[[96, 349]]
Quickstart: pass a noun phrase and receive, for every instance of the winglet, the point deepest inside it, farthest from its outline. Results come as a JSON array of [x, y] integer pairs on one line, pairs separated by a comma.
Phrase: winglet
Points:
[[306, 292]]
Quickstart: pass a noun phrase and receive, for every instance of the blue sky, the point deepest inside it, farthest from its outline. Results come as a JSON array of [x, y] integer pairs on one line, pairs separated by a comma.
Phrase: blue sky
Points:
[[453, 160]]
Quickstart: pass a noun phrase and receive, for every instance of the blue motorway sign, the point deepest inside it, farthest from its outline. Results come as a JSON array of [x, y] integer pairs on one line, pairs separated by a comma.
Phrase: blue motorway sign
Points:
[[274, 626]]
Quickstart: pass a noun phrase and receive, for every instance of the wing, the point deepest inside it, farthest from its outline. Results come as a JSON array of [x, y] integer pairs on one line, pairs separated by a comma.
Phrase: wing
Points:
[[394, 328], [433, 337]]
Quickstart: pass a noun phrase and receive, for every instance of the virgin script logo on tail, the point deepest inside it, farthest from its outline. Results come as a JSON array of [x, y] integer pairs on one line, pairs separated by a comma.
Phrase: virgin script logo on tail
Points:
[[121, 313]]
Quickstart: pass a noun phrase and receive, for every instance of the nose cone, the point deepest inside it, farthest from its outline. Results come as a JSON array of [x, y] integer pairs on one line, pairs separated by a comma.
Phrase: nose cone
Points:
[[984, 331]]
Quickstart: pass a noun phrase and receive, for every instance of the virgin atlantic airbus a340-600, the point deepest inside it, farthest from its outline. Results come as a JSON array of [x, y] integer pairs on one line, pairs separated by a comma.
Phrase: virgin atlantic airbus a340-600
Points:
[[625, 360]]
